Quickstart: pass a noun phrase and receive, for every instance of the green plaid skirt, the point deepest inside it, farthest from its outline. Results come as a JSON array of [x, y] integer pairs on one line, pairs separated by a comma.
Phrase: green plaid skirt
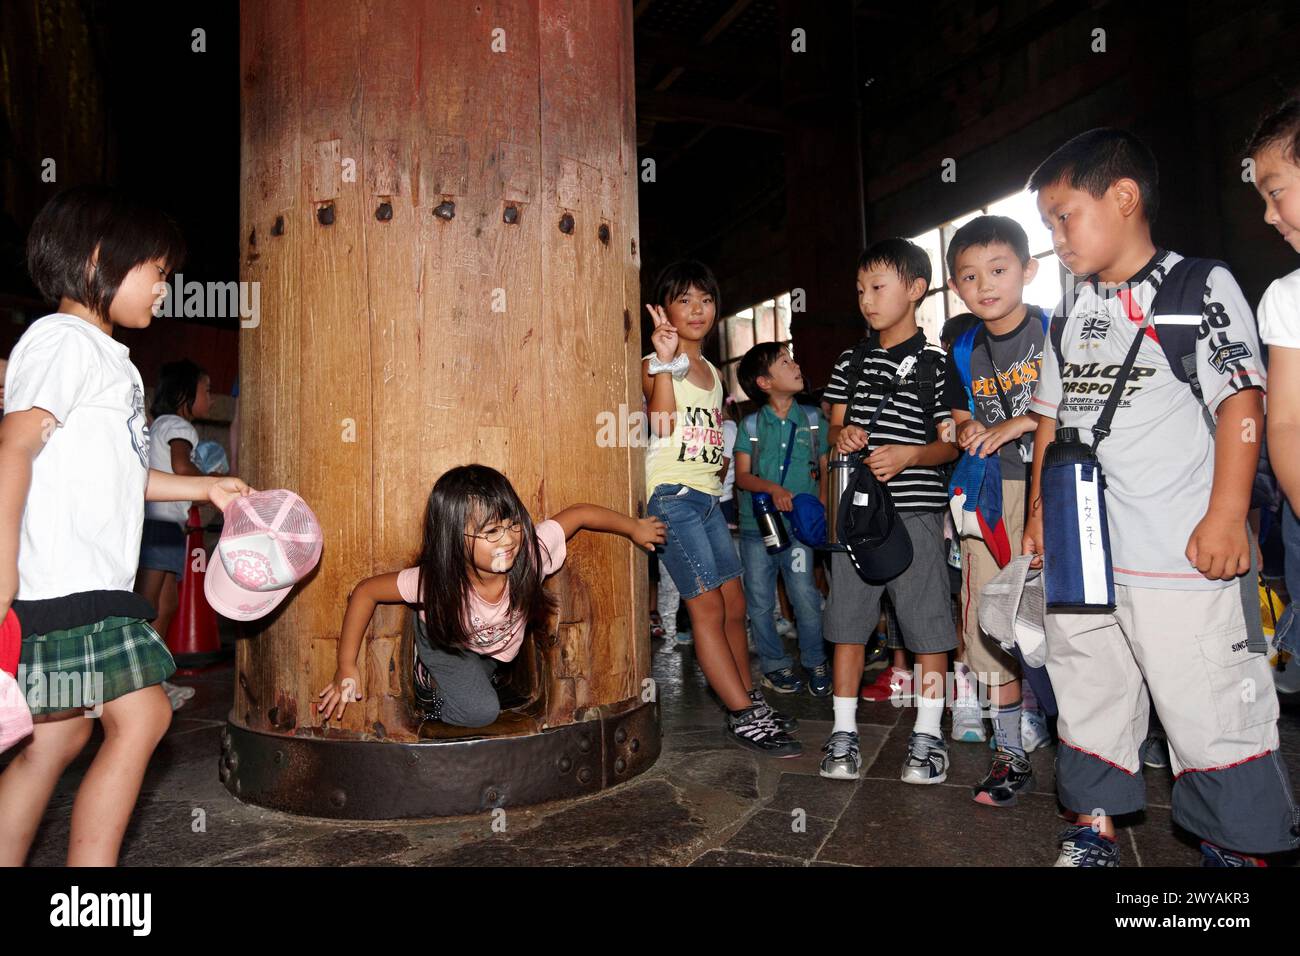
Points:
[[90, 665]]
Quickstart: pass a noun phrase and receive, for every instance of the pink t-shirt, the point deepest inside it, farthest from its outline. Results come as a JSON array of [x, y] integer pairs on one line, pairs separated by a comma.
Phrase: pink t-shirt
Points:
[[491, 630]]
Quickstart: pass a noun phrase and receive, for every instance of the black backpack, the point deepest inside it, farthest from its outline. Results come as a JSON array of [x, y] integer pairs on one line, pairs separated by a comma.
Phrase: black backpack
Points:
[[1176, 312], [926, 385]]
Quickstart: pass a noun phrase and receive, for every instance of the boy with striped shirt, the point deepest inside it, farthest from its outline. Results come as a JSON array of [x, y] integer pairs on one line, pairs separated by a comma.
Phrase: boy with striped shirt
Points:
[[904, 450]]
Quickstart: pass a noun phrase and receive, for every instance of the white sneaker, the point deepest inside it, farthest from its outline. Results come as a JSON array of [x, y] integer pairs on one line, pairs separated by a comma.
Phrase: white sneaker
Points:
[[968, 721], [926, 761], [783, 627], [177, 695], [1034, 732]]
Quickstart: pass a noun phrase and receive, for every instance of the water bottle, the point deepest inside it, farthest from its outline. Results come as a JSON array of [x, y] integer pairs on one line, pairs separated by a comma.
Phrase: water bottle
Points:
[[839, 477], [770, 524], [1077, 571]]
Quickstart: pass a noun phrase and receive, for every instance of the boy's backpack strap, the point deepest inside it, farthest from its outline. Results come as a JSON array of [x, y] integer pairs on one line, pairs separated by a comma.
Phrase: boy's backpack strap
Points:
[[1177, 312], [750, 422], [960, 355], [814, 426], [926, 390]]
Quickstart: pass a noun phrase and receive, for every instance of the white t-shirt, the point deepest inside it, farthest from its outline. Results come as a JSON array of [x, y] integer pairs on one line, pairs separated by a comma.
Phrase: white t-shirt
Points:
[[1159, 456], [85, 510], [729, 450], [1279, 312], [164, 429]]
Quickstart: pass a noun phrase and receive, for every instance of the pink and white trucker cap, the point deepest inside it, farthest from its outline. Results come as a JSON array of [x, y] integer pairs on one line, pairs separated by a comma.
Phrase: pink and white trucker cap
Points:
[[270, 542]]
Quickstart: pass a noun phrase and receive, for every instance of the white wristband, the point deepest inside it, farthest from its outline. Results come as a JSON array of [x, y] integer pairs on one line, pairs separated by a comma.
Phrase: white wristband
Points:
[[679, 367]]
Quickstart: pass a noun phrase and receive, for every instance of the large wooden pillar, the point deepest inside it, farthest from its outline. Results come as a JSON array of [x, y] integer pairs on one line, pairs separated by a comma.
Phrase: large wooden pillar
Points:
[[439, 202]]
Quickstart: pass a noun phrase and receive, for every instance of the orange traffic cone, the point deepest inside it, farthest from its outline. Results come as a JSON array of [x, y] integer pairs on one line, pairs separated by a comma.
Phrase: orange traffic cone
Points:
[[192, 637]]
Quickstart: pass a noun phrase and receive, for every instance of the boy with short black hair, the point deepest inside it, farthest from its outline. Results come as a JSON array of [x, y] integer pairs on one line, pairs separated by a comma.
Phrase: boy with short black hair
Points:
[[1177, 492], [781, 450], [993, 368], [893, 378]]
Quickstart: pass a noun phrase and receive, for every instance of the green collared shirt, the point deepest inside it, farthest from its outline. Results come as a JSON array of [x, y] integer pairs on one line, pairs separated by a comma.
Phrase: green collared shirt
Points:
[[773, 435]]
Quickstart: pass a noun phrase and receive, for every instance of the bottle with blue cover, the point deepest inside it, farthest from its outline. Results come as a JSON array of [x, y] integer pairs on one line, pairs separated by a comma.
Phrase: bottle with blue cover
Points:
[[770, 524], [1077, 572]]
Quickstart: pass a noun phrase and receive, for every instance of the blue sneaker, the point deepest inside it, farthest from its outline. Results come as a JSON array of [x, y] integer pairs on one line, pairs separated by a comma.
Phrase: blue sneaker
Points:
[[1081, 845], [1218, 856], [819, 680], [783, 681], [682, 638]]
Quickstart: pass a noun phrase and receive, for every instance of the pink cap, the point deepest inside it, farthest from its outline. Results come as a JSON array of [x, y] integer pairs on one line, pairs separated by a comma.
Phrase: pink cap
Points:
[[270, 542]]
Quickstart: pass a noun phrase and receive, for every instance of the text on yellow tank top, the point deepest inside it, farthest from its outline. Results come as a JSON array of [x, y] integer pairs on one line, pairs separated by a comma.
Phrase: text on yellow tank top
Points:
[[692, 454]]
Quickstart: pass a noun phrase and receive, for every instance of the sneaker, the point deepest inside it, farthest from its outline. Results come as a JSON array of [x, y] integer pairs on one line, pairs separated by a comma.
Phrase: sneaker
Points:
[[891, 684], [1034, 732], [682, 638], [761, 734], [1218, 856], [1155, 752], [843, 760], [783, 722], [1008, 777], [819, 680], [783, 681], [427, 697], [878, 650], [968, 720], [177, 695], [784, 628], [927, 760], [1081, 845]]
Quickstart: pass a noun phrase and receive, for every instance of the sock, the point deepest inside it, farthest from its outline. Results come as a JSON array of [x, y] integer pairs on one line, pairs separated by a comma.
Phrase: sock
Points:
[[1006, 728], [929, 714], [1028, 699], [846, 714]]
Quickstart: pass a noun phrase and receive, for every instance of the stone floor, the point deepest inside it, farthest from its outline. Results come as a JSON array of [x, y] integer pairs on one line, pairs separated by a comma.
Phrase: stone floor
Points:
[[703, 804]]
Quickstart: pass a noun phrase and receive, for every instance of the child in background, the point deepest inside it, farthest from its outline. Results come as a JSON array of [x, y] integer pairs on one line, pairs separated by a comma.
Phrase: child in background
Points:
[[684, 395], [74, 479], [993, 368], [183, 394], [790, 459], [906, 454], [477, 588], [1275, 148], [1177, 493]]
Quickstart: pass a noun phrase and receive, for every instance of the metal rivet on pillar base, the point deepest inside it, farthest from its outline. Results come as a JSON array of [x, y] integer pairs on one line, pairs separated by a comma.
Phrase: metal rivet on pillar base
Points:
[[584, 743], [445, 210], [566, 224], [603, 233], [338, 798], [584, 775], [278, 759], [325, 215], [384, 212], [278, 228], [620, 735], [511, 215], [620, 765], [636, 745], [565, 764]]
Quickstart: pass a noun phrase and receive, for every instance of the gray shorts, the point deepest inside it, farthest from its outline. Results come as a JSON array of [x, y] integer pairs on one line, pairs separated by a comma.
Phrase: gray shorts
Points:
[[920, 594]]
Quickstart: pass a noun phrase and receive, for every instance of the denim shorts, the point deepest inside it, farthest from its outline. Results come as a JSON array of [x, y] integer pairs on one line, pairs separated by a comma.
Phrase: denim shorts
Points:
[[162, 546], [699, 553]]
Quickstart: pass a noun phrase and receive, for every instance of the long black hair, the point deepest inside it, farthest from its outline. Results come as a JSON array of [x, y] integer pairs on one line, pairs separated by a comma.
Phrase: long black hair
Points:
[[178, 386], [466, 500]]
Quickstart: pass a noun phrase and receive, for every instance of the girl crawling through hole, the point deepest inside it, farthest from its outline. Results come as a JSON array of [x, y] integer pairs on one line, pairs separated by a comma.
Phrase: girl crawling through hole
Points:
[[477, 589]]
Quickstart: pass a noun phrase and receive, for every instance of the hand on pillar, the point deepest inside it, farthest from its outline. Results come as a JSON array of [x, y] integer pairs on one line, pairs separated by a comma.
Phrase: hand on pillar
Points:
[[343, 690]]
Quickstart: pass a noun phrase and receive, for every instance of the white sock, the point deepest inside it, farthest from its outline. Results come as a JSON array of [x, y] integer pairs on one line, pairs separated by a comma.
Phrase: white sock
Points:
[[929, 712], [846, 714]]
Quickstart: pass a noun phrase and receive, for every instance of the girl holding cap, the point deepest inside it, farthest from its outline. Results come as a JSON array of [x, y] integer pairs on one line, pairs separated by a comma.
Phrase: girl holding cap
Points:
[[478, 589], [74, 479]]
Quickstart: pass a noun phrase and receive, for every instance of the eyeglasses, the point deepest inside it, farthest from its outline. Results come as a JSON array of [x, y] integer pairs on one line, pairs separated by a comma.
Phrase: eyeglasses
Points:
[[497, 533]]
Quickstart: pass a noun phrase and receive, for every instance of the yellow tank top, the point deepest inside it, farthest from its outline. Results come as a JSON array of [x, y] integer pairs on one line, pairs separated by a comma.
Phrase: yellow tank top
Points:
[[692, 454]]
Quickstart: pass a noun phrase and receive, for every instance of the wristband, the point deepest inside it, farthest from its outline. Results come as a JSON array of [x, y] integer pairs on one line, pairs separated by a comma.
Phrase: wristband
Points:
[[679, 367]]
